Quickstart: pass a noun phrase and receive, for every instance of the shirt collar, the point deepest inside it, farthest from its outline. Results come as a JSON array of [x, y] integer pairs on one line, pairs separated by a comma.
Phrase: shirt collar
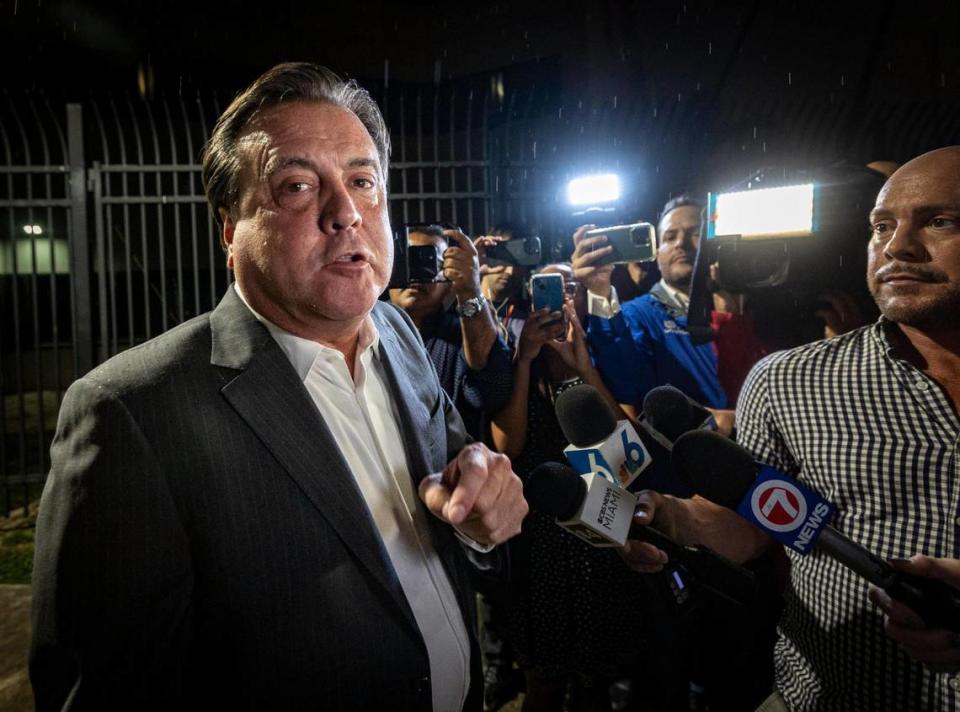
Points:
[[670, 297], [303, 352]]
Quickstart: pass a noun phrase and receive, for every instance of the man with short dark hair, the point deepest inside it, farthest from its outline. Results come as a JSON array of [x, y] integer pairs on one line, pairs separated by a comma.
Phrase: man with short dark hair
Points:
[[472, 360], [869, 419], [269, 505], [644, 343]]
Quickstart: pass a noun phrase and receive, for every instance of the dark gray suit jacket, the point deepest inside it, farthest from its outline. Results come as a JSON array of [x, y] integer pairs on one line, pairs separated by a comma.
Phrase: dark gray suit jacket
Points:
[[202, 543]]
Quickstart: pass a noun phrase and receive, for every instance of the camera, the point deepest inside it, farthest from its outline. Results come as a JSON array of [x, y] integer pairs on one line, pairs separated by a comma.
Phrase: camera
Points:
[[417, 264]]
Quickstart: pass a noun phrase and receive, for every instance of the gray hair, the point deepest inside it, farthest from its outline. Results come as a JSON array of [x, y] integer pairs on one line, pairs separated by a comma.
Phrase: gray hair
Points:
[[284, 83]]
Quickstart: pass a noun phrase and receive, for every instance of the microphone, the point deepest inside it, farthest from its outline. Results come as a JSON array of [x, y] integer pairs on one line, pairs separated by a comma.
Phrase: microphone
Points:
[[601, 514], [668, 413], [777, 504], [598, 441]]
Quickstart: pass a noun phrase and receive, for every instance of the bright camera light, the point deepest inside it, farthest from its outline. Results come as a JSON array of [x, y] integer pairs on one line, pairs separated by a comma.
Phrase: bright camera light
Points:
[[593, 190], [33, 229], [766, 213]]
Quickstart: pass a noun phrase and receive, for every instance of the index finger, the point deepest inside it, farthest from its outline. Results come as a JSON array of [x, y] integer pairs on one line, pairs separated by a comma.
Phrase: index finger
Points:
[[470, 477], [462, 240], [578, 234]]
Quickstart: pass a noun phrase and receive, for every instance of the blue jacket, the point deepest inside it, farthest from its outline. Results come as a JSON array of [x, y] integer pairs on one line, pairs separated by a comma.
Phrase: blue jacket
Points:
[[647, 345]]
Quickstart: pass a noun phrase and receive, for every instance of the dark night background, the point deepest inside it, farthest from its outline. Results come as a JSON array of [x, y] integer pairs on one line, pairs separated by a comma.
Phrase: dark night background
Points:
[[734, 86]]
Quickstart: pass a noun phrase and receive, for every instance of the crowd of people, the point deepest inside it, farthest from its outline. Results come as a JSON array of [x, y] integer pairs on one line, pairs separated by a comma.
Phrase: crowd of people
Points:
[[297, 500]]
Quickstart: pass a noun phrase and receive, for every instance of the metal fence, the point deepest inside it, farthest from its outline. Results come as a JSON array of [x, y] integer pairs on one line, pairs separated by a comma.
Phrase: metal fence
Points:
[[106, 240]]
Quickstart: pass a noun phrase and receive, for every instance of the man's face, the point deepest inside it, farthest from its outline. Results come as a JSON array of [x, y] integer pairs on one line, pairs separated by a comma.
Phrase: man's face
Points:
[[308, 239], [914, 254], [423, 297], [679, 236], [501, 282]]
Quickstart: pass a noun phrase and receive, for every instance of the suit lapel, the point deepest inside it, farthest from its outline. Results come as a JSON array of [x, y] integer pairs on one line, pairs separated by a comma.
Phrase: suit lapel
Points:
[[269, 396], [401, 387]]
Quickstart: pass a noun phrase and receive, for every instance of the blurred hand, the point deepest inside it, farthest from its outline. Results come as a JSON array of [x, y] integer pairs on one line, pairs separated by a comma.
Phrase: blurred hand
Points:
[[840, 313], [724, 301], [540, 328], [461, 265], [937, 649], [726, 420], [479, 494], [573, 350], [639, 555], [587, 251]]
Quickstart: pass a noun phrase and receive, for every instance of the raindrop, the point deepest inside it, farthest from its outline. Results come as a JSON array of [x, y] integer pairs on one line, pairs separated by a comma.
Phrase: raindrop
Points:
[[843, 81], [534, 150], [615, 99], [560, 113], [386, 73], [709, 47], [789, 78], [698, 86], [754, 133], [764, 146], [654, 112], [743, 147], [496, 184], [666, 45], [678, 96], [943, 79], [15, 3]]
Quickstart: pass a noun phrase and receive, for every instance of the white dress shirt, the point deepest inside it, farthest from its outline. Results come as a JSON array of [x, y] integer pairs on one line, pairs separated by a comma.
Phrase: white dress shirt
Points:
[[608, 308], [362, 417]]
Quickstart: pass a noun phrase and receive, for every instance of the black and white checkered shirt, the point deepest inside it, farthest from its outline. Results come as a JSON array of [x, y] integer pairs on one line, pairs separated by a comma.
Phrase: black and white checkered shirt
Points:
[[875, 436]]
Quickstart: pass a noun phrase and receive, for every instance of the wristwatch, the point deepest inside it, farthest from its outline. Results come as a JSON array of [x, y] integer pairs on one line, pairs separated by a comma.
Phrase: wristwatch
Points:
[[469, 308]]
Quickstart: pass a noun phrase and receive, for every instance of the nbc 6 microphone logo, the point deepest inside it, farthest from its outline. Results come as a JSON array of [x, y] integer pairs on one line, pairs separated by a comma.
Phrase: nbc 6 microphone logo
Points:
[[778, 505]]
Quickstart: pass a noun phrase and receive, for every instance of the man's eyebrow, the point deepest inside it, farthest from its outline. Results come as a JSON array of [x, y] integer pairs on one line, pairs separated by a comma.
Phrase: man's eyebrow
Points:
[[282, 162], [364, 162], [930, 209]]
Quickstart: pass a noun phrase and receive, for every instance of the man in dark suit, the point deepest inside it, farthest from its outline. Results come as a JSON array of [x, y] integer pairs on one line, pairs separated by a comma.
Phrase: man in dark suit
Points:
[[269, 505]]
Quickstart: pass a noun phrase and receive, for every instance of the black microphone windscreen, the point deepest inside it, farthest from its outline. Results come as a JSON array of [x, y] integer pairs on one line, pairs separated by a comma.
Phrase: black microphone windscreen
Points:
[[584, 416], [555, 489], [713, 466], [670, 412]]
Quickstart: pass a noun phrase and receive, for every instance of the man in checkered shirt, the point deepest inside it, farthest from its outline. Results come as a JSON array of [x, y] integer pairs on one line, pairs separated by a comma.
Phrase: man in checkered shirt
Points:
[[869, 420]]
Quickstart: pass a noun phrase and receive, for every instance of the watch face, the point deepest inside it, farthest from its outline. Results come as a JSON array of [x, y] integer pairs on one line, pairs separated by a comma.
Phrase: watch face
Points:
[[470, 307]]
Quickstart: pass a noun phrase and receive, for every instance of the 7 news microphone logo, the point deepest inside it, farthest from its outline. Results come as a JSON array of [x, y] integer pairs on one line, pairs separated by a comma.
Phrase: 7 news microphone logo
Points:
[[787, 511]]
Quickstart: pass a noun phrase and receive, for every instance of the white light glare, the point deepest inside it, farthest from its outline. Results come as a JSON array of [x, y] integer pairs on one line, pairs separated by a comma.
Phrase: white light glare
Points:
[[781, 212], [593, 190], [33, 229]]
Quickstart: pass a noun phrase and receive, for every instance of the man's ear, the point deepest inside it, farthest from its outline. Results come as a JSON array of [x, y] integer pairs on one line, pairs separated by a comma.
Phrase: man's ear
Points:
[[226, 235]]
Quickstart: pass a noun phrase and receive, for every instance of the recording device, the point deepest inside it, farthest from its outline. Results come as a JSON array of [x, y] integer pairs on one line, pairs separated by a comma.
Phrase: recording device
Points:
[[525, 252], [599, 443], [726, 474], [601, 514], [546, 292], [630, 243], [417, 264], [668, 413], [803, 236]]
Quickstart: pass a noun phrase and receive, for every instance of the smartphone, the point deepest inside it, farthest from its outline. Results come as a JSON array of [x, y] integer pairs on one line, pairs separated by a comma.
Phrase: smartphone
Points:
[[630, 243], [522, 253], [546, 292]]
